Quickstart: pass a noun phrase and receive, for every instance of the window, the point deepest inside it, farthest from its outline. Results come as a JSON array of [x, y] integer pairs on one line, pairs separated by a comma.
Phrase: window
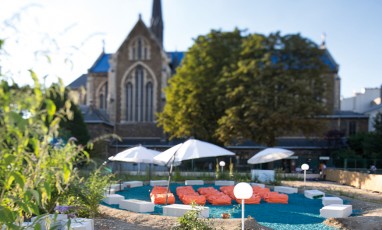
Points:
[[103, 96], [139, 93], [129, 102], [139, 49], [139, 96], [149, 101], [101, 101], [352, 128]]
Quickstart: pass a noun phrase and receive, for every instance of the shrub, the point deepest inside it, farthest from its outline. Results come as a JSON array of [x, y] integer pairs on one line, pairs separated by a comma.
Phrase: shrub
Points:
[[191, 221], [33, 172], [87, 193]]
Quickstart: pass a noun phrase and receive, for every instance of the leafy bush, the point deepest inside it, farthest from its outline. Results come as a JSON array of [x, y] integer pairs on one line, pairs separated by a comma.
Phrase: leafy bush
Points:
[[191, 221], [87, 193], [33, 172]]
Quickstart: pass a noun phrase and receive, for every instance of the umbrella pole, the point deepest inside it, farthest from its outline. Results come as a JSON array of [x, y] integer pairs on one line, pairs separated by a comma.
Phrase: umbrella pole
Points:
[[169, 175], [168, 183]]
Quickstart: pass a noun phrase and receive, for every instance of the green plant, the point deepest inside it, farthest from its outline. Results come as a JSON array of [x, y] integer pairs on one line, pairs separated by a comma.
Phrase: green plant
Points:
[[278, 176], [230, 168], [33, 172], [191, 221], [177, 176], [87, 193]]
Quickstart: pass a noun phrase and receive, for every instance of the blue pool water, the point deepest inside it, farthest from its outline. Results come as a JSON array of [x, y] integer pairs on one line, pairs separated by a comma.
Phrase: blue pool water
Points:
[[299, 213]]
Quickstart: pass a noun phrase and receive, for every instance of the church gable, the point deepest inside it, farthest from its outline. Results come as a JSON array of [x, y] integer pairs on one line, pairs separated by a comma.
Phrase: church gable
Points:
[[140, 44]]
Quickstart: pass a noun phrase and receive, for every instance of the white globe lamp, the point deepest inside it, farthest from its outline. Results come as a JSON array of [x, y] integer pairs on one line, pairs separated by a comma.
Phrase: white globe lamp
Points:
[[305, 167], [242, 191], [222, 164]]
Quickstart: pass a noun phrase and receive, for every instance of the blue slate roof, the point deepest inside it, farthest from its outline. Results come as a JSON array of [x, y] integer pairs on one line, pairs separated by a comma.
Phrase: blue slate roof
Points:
[[101, 65], [176, 58], [93, 115], [329, 61], [326, 58], [81, 81]]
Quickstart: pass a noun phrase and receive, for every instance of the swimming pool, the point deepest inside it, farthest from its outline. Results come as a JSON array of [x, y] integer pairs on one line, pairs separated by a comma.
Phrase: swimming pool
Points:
[[299, 213]]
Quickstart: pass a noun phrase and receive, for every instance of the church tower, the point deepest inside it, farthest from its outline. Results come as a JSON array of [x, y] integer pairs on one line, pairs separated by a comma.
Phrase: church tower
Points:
[[157, 21]]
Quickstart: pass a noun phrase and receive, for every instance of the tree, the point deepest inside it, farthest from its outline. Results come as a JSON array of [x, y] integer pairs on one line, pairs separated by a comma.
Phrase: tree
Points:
[[368, 145], [233, 88], [195, 98], [276, 89], [74, 127]]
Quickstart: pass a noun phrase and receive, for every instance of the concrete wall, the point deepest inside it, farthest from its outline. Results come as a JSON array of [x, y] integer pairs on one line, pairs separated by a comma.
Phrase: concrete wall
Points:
[[365, 181]]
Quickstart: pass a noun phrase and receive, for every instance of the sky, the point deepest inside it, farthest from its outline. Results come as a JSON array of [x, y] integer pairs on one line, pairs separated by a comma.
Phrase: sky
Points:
[[63, 38]]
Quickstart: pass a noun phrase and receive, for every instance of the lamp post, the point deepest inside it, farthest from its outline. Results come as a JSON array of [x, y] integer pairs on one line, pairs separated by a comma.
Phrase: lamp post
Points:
[[242, 191], [222, 164], [305, 167]]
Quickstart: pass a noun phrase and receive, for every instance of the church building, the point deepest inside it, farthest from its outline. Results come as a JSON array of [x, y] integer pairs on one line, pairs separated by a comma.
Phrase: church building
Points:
[[128, 85]]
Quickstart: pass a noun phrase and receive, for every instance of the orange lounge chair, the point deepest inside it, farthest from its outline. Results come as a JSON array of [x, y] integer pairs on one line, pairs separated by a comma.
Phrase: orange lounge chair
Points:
[[255, 199], [206, 190], [190, 199], [158, 190], [228, 190], [275, 197], [260, 191], [219, 199], [161, 198]]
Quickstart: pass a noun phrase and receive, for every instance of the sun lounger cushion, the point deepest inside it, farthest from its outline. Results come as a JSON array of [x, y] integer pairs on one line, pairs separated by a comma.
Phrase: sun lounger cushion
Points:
[[275, 197], [158, 190], [206, 190], [260, 191], [219, 198], [255, 199], [161, 198], [193, 199]]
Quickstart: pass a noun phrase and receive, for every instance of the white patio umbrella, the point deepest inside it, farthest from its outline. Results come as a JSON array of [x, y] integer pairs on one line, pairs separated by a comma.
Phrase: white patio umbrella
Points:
[[138, 154], [269, 155], [190, 149]]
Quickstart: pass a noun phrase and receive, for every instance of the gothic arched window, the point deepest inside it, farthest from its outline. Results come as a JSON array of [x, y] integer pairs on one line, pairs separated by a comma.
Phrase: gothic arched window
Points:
[[149, 101], [103, 92], [139, 96], [129, 102], [101, 101], [139, 78]]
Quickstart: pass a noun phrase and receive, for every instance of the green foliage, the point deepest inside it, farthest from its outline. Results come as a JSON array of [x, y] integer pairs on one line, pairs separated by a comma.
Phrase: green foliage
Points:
[[278, 176], [231, 88], [33, 173], [87, 193], [194, 97], [177, 176], [365, 145], [191, 221], [242, 177], [276, 89], [230, 168], [74, 127]]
